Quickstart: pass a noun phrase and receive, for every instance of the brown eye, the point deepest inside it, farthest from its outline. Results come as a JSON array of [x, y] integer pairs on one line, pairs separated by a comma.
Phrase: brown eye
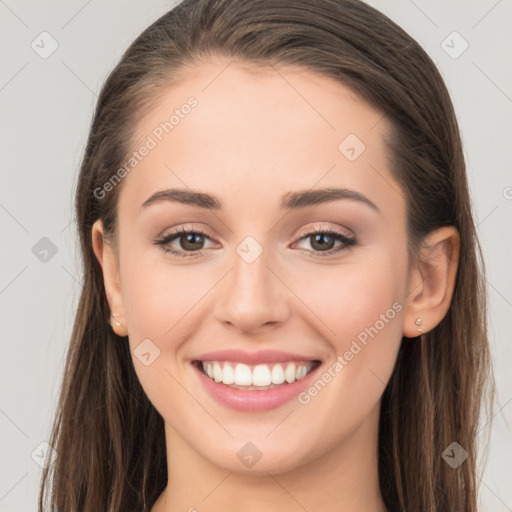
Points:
[[191, 241], [185, 243], [323, 242]]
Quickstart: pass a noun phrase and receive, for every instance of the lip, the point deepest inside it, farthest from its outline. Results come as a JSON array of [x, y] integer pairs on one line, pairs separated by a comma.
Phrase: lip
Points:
[[262, 356], [255, 400]]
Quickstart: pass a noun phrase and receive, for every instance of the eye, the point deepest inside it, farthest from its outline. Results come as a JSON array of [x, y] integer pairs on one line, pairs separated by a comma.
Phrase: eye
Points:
[[191, 241], [323, 241]]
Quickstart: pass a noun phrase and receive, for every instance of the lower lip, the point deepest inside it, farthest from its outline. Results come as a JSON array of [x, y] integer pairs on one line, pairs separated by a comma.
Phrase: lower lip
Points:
[[254, 400]]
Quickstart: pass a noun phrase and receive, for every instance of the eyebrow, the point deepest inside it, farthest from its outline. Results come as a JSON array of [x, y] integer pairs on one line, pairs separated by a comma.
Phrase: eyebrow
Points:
[[289, 201]]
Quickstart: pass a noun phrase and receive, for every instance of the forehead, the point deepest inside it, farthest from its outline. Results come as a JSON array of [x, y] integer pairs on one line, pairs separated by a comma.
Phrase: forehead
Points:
[[259, 130]]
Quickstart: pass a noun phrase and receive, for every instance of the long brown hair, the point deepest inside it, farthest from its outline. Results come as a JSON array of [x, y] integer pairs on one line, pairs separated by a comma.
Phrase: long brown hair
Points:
[[109, 439]]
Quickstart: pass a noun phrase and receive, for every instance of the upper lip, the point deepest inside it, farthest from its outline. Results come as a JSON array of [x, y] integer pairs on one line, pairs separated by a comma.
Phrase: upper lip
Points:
[[262, 356]]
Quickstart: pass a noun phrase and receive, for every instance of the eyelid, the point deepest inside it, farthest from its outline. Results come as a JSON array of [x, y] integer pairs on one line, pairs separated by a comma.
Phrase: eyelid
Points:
[[183, 229], [322, 228], [347, 241], [303, 234], [304, 231]]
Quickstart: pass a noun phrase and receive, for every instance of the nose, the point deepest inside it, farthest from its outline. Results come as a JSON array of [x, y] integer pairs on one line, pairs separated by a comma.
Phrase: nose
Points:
[[252, 297]]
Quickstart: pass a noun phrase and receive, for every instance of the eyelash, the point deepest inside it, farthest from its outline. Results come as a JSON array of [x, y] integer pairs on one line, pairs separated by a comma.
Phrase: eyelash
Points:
[[164, 241]]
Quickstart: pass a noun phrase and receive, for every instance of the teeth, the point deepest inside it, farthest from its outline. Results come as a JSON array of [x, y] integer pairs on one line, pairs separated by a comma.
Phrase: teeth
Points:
[[217, 372], [228, 374], [260, 375], [290, 374], [277, 374], [243, 375]]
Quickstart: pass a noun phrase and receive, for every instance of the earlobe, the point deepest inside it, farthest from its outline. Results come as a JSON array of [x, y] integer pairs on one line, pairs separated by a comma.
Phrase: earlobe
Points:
[[105, 255], [432, 282]]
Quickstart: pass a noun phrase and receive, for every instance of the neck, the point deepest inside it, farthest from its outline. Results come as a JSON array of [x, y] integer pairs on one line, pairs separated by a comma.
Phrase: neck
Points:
[[345, 477]]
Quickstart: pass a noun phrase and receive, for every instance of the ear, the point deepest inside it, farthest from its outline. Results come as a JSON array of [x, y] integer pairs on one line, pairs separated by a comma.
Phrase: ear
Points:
[[432, 282], [106, 257]]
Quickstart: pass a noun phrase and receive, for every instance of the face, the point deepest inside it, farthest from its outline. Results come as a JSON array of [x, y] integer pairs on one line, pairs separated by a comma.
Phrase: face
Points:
[[289, 295]]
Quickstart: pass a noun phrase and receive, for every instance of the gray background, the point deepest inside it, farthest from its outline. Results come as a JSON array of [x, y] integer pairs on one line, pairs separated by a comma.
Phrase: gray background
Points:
[[47, 105]]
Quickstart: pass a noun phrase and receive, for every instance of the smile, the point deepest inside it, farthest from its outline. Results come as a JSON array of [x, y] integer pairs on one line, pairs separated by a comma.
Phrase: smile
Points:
[[254, 381], [256, 377]]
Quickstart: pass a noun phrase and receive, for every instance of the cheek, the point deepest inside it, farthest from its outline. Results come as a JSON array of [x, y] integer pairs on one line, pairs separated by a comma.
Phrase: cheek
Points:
[[159, 298], [161, 302], [353, 295], [361, 304]]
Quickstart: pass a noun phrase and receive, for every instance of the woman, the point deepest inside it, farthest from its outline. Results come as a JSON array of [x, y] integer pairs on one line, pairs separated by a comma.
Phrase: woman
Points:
[[282, 306]]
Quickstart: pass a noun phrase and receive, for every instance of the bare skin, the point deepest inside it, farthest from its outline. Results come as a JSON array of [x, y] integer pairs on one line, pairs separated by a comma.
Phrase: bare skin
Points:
[[252, 138]]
